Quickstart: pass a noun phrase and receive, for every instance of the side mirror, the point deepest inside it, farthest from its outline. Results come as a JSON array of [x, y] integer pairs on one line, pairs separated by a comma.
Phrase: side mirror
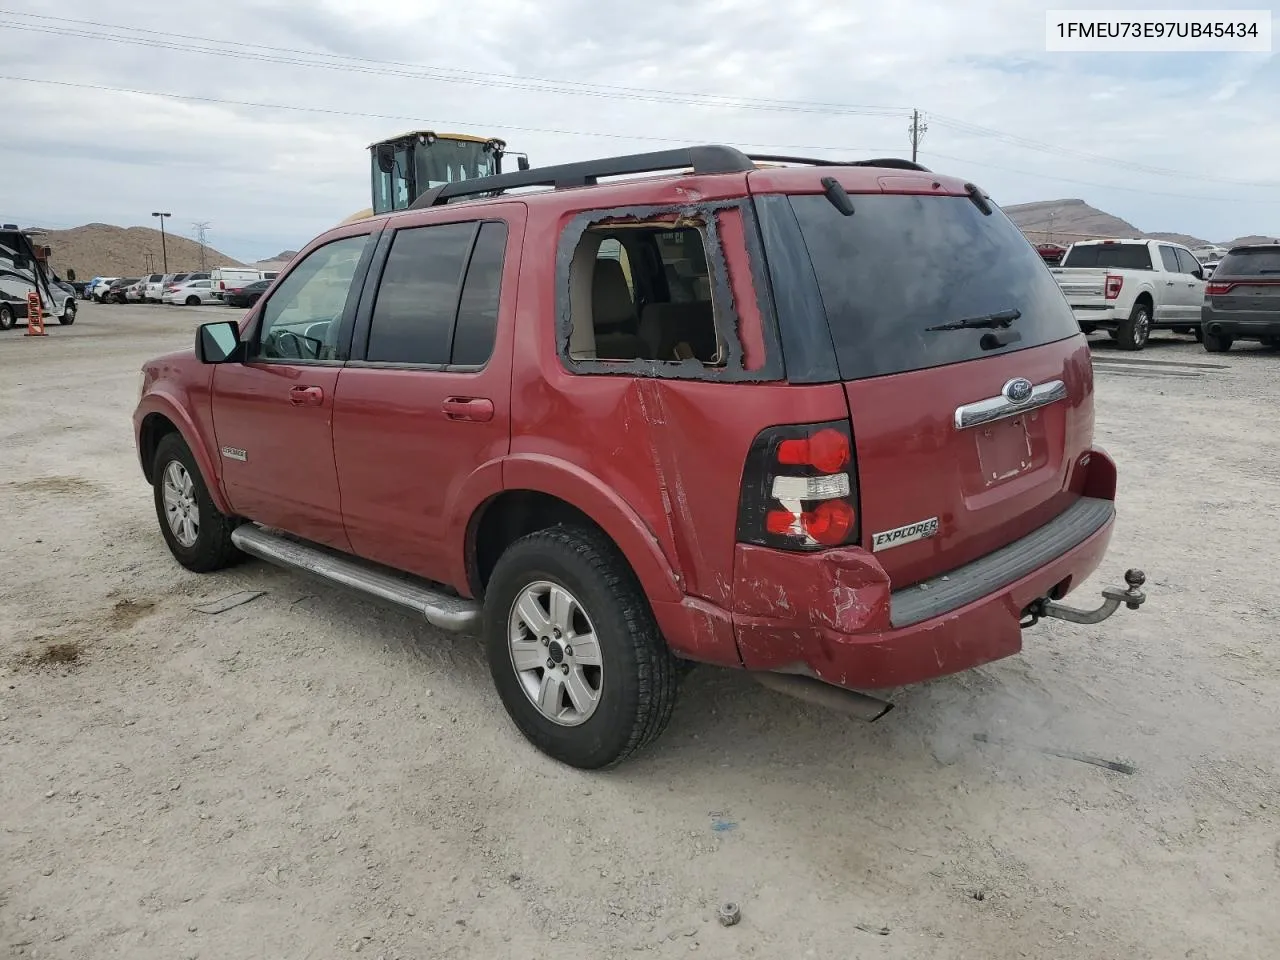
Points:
[[522, 163], [218, 342], [1198, 273]]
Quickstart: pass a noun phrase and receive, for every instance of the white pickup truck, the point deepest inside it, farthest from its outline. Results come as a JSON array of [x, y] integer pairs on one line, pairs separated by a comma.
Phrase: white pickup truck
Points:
[[1131, 287]]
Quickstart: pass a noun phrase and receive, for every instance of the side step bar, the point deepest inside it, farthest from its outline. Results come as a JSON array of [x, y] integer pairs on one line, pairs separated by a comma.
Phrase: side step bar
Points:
[[441, 609]]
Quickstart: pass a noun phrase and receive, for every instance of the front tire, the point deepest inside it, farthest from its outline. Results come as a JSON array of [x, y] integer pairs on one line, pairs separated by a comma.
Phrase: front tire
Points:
[[198, 534], [594, 704], [1134, 332], [68, 314]]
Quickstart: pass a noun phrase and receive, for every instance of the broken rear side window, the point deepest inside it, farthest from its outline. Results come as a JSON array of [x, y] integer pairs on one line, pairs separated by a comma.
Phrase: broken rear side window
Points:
[[642, 291]]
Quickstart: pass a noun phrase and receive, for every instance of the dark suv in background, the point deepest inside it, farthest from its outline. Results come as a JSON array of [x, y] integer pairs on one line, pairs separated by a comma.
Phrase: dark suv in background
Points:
[[1242, 301]]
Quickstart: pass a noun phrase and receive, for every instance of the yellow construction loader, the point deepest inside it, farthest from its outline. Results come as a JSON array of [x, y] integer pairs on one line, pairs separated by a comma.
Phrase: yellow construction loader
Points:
[[404, 167]]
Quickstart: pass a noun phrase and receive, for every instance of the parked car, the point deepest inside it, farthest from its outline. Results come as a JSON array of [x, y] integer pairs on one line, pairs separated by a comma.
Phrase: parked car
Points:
[[247, 295], [191, 293], [100, 288], [86, 293], [115, 292], [775, 433], [224, 277], [153, 287], [1210, 267], [1131, 287], [136, 292], [1242, 302]]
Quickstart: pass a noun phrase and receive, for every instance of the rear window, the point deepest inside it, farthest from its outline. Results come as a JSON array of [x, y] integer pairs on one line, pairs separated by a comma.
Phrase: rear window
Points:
[[1264, 261], [904, 263], [1118, 256]]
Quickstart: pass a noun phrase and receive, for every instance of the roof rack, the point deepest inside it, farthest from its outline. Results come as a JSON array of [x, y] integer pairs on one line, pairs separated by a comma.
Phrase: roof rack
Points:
[[890, 162], [703, 160], [709, 159]]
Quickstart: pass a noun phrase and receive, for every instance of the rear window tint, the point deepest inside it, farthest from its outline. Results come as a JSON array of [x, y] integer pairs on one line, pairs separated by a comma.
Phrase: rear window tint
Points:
[[903, 263], [1250, 263], [1120, 256]]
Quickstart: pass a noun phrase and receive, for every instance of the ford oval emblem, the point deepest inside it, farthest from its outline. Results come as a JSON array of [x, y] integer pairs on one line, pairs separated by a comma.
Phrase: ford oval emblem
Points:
[[1018, 390]]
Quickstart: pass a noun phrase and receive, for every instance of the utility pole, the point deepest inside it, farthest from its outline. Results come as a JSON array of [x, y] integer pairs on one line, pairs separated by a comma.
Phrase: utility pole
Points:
[[149, 262], [202, 232], [917, 131], [164, 250]]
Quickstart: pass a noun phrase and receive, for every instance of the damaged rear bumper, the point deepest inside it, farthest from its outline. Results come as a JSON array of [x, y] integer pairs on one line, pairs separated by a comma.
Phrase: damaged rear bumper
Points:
[[843, 624]]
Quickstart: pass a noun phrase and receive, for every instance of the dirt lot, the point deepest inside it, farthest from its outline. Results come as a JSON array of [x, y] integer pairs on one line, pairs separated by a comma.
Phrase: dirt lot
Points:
[[309, 776]]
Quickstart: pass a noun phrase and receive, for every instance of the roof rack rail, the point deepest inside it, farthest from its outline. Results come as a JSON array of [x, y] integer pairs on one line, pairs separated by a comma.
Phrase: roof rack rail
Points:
[[890, 162], [703, 160]]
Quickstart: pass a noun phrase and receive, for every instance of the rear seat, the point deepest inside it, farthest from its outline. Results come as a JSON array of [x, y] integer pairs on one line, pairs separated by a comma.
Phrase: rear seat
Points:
[[664, 325]]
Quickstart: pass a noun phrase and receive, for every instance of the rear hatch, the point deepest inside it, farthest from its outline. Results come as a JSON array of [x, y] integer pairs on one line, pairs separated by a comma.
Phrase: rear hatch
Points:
[[905, 262], [1246, 285]]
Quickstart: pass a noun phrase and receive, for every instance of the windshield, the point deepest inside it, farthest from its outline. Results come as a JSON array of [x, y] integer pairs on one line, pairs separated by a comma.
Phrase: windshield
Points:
[[448, 161], [1262, 262], [903, 263], [1120, 256]]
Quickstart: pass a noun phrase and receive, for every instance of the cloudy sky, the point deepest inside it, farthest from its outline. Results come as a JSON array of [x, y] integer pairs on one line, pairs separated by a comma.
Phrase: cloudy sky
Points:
[[255, 116]]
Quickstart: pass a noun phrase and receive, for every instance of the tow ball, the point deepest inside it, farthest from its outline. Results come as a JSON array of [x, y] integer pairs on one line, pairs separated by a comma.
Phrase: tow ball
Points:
[[1113, 597]]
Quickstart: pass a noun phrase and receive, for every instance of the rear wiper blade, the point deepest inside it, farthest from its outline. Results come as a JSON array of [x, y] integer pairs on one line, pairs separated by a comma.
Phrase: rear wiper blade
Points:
[[989, 321]]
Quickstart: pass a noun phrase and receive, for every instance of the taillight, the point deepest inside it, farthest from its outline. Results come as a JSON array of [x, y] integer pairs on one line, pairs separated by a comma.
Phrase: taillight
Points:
[[1114, 283], [799, 488], [1215, 289]]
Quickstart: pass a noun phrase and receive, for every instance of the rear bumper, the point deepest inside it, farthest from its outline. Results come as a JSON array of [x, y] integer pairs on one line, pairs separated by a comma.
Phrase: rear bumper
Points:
[[1240, 324], [1105, 316], [843, 624]]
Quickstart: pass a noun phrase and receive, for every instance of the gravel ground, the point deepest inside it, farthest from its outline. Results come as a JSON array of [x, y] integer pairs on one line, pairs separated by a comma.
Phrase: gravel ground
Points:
[[308, 775]]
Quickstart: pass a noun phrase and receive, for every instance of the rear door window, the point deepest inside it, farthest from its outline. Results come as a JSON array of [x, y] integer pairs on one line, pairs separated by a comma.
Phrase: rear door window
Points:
[[1118, 256], [437, 302], [903, 263], [1169, 257], [1263, 262]]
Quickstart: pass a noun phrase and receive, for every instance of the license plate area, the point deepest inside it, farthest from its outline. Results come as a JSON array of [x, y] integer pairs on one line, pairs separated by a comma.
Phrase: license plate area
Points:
[[1010, 448]]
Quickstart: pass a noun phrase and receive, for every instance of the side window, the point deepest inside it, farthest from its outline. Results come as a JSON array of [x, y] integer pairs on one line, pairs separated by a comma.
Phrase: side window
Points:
[[301, 319], [418, 296], [1186, 262], [477, 325], [660, 308], [1169, 257]]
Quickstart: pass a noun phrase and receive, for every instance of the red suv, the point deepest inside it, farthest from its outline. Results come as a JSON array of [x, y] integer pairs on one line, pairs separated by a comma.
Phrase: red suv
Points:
[[828, 422]]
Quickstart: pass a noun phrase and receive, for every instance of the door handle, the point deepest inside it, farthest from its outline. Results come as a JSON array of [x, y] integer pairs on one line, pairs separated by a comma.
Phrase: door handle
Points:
[[306, 396], [477, 409]]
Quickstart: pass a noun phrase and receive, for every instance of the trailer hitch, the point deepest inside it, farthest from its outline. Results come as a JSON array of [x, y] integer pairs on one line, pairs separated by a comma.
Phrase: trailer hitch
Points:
[[1113, 597]]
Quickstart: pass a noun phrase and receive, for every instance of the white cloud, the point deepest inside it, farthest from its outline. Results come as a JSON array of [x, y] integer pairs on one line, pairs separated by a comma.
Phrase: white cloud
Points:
[[272, 178]]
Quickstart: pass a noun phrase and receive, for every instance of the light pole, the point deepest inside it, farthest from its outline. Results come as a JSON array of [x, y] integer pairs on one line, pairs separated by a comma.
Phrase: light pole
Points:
[[164, 250]]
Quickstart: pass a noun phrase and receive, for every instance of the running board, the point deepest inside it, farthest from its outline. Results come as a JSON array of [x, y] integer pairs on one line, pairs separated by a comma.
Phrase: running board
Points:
[[442, 610]]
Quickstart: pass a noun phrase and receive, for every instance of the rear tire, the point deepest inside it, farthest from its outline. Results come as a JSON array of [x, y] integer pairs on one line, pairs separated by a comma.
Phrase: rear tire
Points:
[[1216, 343], [1133, 333], [7, 317], [193, 301], [629, 695], [198, 534]]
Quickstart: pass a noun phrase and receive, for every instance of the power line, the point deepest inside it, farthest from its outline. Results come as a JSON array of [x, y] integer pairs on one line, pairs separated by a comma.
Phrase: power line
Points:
[[363, 115], [273, 54], [878, 151]]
